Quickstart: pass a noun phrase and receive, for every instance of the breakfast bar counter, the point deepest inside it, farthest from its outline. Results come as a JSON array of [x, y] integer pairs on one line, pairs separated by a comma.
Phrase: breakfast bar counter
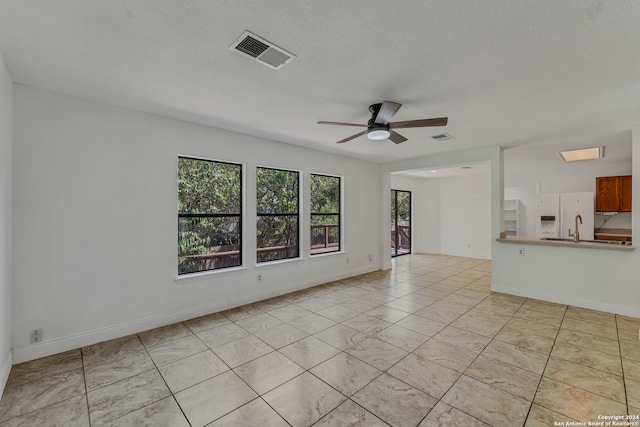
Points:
[[583, 244]]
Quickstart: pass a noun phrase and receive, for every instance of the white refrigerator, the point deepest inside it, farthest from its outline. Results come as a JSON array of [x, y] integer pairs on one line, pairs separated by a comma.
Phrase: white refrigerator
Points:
[[557, 215]]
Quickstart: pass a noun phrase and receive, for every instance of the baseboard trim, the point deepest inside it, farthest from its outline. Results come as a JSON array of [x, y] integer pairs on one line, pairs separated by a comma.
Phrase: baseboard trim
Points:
[[5, 368], [563, 299], [293, 287], [59, 345], [466, 255], [72, 342]]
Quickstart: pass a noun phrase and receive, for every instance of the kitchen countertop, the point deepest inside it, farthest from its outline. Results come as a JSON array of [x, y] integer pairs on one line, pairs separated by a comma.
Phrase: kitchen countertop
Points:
[[569, 244]]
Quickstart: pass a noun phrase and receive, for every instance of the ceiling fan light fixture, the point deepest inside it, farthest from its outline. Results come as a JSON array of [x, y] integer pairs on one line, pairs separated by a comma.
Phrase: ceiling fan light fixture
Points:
[[378, 134]]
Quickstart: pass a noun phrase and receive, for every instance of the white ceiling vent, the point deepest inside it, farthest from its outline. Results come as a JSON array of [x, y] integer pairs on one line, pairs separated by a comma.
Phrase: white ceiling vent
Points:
[[261, 50], [442, 137]]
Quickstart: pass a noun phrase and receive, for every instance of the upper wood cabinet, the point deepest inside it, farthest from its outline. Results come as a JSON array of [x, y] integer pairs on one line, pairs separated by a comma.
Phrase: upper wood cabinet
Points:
[[613, 194], [625, 193]]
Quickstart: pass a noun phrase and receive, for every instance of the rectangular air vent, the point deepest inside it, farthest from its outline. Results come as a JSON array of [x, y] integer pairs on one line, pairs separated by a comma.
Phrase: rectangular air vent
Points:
[[261, 50], [442, 137]]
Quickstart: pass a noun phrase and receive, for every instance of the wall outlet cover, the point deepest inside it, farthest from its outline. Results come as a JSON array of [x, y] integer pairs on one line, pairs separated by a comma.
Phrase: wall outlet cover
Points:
[[35, 336]]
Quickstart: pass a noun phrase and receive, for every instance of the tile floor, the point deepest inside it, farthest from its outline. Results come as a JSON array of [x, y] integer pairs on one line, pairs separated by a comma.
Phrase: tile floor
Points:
[[426, 344]]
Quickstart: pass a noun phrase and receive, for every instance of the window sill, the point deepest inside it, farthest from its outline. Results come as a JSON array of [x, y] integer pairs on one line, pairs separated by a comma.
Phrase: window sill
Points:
[[326, 254], [278, 261], [204, 275]]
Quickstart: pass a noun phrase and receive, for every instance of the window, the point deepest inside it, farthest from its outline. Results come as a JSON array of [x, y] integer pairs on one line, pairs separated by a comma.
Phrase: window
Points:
[[325, 214], [277, 214], [209, 215]]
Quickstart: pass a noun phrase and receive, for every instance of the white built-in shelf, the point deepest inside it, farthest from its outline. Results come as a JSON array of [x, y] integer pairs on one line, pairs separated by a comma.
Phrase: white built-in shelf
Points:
[[512, 222]]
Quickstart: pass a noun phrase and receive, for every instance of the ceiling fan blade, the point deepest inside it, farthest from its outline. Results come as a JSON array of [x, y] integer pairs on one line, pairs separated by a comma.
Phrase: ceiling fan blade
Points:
[[352, 137], [395, 137], [440, 121], [387, 110], [322, 122]]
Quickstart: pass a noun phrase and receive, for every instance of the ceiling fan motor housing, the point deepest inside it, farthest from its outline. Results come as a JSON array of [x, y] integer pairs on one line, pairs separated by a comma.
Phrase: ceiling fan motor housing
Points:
[[376, 131], [372, 125], [374, 109]]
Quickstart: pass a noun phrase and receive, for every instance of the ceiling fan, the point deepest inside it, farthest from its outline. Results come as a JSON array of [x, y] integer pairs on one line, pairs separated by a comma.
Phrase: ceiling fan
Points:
[[379, 126]]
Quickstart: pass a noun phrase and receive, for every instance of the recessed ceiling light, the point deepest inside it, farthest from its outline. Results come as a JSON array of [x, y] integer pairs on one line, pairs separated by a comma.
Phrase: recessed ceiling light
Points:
[[433, 171], [582, 154]]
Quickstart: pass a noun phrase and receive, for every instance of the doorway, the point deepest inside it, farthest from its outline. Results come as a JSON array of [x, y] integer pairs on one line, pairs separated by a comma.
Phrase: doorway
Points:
[[400, 222]]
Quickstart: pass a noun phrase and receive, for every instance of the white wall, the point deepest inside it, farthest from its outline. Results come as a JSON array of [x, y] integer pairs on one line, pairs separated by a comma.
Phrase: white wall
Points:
[[6, 143], [425, 201], [95, 227], [592, 278], [451, 216], [466, 216]]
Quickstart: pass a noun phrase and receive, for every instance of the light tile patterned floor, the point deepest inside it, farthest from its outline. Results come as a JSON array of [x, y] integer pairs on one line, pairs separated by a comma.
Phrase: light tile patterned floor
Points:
[[426, 344]]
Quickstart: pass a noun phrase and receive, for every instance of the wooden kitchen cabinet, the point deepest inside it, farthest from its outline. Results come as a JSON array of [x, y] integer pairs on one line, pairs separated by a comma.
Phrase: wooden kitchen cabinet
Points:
[[625, 193], [613, 194]]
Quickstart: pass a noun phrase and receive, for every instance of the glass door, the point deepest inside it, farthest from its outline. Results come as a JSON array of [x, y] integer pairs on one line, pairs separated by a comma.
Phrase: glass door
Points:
[[400, 222]]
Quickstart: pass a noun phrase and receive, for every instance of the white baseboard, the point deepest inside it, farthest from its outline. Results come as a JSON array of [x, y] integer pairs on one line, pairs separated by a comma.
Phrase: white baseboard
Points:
[[293, 287], [59, 345], [562, 299], [72, 342], [5, 368], [474, 255]]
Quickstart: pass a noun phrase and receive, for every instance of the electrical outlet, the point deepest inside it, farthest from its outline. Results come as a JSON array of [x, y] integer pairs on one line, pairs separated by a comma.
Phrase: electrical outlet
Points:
[[370, 257], [521, 251], [35, 336], [259, 277], [347, 260]]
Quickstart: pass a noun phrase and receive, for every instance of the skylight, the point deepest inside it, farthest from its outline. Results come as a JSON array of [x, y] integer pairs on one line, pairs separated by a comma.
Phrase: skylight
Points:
[[582, 154]]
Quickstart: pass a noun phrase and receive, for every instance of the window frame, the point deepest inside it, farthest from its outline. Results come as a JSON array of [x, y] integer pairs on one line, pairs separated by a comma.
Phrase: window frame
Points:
[[240, 221], [338, 214], [258, 214]]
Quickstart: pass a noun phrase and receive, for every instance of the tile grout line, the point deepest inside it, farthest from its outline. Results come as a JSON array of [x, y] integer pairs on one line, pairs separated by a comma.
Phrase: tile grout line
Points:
[[624, 383], [173, 396], [461, 373], [564, 314], [480, 353], [86, 389]]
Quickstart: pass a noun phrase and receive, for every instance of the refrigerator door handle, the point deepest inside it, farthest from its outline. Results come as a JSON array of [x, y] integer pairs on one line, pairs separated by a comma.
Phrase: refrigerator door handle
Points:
[[559, 224]]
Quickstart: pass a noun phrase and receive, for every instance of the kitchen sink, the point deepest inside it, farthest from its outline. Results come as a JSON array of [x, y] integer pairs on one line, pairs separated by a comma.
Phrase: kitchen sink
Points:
[[606, 242], [610, 242]]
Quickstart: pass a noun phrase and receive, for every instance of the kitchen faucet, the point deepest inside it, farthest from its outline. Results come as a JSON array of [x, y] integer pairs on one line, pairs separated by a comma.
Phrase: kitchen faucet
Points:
[[576, 234]]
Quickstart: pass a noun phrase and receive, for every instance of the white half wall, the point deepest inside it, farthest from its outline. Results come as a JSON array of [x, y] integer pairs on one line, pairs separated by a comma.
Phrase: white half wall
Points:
[[6, 143], [95, 222]]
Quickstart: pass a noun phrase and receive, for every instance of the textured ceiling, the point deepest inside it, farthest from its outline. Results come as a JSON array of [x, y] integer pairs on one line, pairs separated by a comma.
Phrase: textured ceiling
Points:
[[505, 72]]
